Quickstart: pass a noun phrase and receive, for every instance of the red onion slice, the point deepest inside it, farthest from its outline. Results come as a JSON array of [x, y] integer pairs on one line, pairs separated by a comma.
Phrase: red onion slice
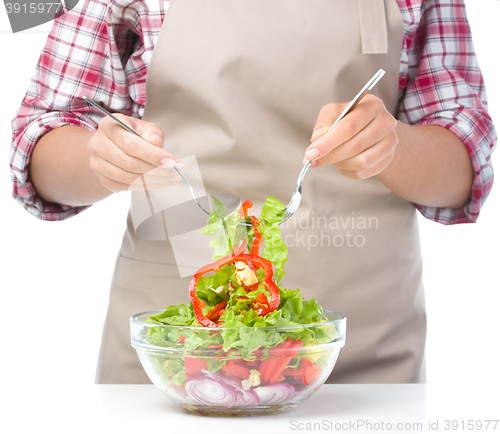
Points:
[[244, 397], [214, 389], [207, 391], [248, 398], [274, 393]]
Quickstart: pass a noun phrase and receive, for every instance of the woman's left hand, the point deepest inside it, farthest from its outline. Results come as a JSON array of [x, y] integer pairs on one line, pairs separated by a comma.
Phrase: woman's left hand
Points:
[[361, 145]]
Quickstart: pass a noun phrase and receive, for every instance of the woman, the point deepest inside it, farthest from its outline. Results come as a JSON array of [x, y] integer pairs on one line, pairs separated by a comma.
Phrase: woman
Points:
[[243, 85]]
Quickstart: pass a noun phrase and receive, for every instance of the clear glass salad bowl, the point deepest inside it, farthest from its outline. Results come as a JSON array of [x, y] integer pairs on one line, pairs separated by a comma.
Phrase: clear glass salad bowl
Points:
[[238, 371]]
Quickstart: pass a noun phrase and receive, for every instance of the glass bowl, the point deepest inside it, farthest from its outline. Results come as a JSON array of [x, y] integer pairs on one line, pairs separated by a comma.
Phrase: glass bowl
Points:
[[261, 370]]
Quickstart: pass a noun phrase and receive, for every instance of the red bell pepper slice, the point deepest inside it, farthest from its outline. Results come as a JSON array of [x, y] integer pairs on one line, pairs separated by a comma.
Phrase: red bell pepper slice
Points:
[[243, 211], [215, 313], [264, 369], [244, 208], [267, 365], [281, 362], [237, 370], [276, 351], [197, 303], [308, 371], [268, 283], [251, 260], [303, 363], [311, 373], [261, 298], [257, 241], [193, 366]]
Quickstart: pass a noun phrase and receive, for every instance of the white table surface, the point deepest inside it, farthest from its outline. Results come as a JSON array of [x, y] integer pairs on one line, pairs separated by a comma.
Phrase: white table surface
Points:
[[333, 408]]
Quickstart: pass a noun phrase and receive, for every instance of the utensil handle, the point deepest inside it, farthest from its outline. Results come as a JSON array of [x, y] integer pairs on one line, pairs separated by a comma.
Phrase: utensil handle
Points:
[[368, 86], [105, 112]]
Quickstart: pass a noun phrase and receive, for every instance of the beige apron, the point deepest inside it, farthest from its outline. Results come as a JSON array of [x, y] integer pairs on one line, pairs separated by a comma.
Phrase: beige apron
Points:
[[239, 84]]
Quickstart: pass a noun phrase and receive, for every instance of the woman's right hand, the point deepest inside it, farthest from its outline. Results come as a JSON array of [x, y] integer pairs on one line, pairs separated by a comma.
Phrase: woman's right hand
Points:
[[122, 161]]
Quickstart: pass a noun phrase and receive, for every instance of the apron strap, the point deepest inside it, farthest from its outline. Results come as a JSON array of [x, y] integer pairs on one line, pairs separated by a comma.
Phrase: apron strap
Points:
[[373, 25]]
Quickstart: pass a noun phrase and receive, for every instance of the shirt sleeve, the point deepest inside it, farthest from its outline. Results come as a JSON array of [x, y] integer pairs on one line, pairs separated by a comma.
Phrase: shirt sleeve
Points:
[[445, 87], [83, 55]]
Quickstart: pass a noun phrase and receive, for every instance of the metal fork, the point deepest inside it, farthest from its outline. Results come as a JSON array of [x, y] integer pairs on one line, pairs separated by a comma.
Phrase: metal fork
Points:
[[130, 130], [297, 196]]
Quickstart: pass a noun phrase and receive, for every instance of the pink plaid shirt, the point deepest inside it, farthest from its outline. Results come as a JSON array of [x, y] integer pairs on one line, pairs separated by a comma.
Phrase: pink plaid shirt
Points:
[[102, 49]]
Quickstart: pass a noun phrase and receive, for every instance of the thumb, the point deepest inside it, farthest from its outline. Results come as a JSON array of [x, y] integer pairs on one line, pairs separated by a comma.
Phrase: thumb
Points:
[[327, 116], [150, 132]]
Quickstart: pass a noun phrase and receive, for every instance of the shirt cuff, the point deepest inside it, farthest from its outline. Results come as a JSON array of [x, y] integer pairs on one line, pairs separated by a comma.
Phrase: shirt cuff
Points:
[[475, 129]]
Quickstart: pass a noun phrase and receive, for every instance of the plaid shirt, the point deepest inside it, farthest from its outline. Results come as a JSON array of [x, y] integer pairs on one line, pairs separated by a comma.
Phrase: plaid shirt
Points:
[[102, 49]]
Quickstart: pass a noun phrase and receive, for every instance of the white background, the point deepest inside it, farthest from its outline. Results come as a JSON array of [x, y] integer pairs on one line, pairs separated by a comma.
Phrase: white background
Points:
[[55, 275]]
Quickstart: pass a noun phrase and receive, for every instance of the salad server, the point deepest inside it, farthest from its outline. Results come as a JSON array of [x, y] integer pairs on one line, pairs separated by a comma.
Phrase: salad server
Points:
[[294, 203]]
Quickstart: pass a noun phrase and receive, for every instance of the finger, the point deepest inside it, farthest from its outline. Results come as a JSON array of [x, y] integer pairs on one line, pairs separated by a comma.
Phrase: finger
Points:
[[180, 165], [370, 171], [115, 173], [143, 150], [343, 131], [107, 150], [148, 131], [327, 116], [148, 149], [365, 139]]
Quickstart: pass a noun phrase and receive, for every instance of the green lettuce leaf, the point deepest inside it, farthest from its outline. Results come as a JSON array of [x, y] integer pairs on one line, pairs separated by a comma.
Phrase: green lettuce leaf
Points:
[[217, 215], [212, 289], [274, 247], [173, 371], [227, 228], [180, 315]]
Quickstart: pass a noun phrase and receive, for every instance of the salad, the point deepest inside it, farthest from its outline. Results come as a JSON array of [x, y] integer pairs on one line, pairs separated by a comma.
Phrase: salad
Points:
[[244, 339]]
